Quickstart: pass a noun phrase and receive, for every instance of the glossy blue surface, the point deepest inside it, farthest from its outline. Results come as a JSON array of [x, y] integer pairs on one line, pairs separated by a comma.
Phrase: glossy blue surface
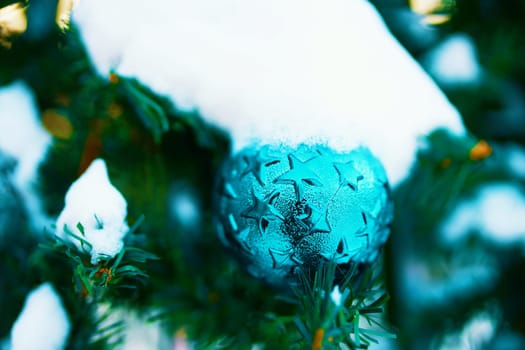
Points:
[[279, 208]]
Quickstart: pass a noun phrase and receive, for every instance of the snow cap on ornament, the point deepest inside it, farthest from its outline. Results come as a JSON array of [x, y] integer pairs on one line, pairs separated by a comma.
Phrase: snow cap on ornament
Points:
[[43, 323], [323, 105], [276, 72], [100, 208]]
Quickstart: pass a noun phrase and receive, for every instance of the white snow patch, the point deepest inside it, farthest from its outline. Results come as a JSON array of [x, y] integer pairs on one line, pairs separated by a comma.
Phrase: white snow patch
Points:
[[476, 333], [139, 331], [336, 295], [421, 290], [497, 212], [23, 137], [184, 206], [142, 334], [21, 134], [515, 160], [43, 323], [275, 71], [101, 209], [454, 61]]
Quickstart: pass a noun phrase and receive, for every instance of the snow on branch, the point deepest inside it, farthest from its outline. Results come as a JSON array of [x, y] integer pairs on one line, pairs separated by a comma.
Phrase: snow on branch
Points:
[[94, 215], [43, 323]]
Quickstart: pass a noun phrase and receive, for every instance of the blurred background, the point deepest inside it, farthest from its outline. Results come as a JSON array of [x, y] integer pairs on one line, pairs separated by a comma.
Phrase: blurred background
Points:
[[455, 263]]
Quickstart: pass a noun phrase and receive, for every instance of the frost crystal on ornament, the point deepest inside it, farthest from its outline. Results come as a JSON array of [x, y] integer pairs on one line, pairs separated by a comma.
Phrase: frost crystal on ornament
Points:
[[101, 211], [281, 208], [43, 323]]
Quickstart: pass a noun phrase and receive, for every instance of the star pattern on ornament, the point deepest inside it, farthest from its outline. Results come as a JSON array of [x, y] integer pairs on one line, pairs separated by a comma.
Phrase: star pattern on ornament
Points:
[[226, 189], [319, 219], [363, 232], [296, 259], [242, 240], [379, 216], [341, 255], [232, 222], [237, 239], [372, 212], [298, 175], [253, 166], [282, 258], [263, 211], [348, 174], [315, 220]]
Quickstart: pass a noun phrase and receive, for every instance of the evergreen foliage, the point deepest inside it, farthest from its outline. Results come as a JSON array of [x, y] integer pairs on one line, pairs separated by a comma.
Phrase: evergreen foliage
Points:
[[183, 277]]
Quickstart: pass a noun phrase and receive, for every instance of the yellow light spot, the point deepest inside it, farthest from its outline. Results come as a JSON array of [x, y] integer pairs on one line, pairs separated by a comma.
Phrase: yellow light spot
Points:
[[481, 150], [436, 19], [13, 21], [115, 110], [57, 124], [330, 339], [425, 6], [113, 78], [317, 344], [63, 15], [445, 163], [434, 12]]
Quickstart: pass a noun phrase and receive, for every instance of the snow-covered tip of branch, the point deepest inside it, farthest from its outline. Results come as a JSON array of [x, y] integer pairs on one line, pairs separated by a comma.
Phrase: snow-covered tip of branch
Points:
[[336, 295], [100, 209], [42, 323]]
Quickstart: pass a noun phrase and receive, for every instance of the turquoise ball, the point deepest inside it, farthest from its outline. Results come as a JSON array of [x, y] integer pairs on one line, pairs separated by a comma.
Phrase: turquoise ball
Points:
[[279, 209]]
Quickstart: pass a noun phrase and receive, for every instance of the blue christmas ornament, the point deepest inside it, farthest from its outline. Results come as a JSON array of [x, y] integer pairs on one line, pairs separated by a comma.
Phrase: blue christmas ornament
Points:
[[280, 208]]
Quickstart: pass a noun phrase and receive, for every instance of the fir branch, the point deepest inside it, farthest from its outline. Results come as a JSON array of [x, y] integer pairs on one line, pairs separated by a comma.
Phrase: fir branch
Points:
[[108, 330], [95, 286], [123, 271], [147, 107], [328, 318]]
